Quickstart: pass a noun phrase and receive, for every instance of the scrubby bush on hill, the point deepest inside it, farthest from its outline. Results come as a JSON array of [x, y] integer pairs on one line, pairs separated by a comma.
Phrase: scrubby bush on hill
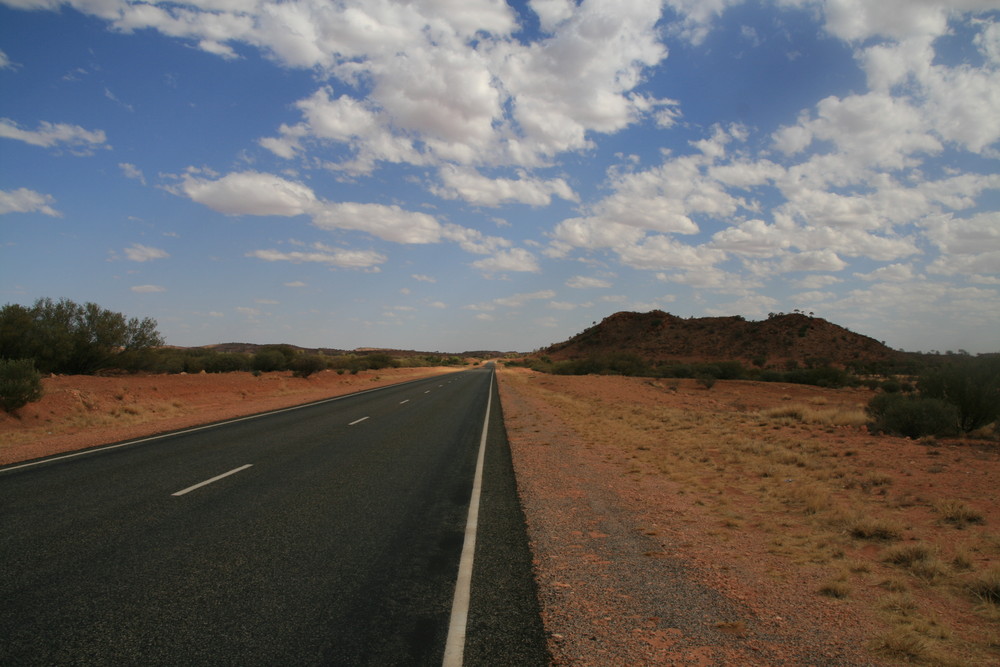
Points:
[[20, 383]]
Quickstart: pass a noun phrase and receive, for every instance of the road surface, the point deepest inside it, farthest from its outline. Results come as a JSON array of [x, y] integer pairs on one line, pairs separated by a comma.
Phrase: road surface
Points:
[[327, 534]]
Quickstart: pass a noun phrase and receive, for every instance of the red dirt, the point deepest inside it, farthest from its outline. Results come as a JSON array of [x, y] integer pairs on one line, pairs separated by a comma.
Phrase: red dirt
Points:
[[635, 567]]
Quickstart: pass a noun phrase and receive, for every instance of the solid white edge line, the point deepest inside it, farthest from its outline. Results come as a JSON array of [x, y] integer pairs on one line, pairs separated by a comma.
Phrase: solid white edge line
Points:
[[357, 421], [214, 479], [160, 436], [454, 648]]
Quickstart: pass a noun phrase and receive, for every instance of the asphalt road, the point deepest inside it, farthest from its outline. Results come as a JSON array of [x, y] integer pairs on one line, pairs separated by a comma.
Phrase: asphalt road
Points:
[[329, 534]]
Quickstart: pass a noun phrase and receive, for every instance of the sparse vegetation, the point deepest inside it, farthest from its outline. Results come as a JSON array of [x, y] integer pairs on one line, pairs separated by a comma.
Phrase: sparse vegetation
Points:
[[957, 396], [912, 416], [875, 528], [65, 337], [986, 586], [822, 504], [20, 383], [958, 514]]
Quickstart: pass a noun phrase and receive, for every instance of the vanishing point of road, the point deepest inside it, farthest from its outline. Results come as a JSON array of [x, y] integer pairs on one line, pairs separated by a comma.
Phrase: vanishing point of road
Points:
[[336, 533]]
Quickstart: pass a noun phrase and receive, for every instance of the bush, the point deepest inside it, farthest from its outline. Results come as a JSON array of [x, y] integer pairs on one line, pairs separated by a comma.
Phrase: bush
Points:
[[20, 383], [267, 360], [912, 417], [972, 386], [307, 364], [66, 337]]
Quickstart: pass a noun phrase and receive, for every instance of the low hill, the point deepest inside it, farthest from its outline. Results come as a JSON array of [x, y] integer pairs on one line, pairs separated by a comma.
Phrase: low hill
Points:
[[658, 336], [253, 348]]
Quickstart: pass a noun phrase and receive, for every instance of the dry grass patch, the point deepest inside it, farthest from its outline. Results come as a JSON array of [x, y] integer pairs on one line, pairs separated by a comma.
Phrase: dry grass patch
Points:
[[986, 586], [875, 528], [799, 473], [815, 414], [958, 514]]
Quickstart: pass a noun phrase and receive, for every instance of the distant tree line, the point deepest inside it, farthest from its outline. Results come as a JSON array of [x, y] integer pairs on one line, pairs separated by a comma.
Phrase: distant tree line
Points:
[[960, 396], [68, 338], [817, 372]]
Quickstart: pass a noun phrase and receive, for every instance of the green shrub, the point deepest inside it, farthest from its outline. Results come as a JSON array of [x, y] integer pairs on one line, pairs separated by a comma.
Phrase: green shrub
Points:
[[267, 360], [20, 383], [912, 417], [66, 337], [705, 380], [306, 364], [971, 385]]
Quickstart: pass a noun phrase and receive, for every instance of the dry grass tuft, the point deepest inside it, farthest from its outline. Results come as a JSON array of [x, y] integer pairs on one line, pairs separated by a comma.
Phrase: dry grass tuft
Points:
[[907, 554], [958, 514], [986, 586], [875, 528], [903, 644], [835, 589]]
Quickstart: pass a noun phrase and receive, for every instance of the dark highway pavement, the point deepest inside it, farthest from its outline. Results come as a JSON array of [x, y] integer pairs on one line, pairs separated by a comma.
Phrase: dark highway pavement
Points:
[[327, 534]]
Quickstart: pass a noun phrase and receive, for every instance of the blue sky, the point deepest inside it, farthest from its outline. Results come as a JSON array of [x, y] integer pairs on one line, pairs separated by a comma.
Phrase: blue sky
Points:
[[472, 174]]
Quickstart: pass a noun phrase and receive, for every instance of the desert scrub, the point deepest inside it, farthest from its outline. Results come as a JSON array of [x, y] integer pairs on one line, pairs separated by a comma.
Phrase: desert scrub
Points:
[[875, 528], [20, 383], [912, 417], [958, 514], [820, 416], [919, 559], [986, 586], [837, 589]]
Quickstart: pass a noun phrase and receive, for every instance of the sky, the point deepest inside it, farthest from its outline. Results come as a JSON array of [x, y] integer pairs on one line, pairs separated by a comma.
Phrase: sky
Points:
[[452, 175]]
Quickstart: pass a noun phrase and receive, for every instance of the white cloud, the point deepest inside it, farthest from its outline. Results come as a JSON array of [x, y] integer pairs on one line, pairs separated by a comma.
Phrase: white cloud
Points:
[[148, 289], [423, 278], [250, 193], [515, 259], [697, 16], [390, 223], [141, 253], [78, 140], [813, 260], [816, 282], [132, 171], [322, 254], [24, 200], [753, 238], [473, 187], [870, 130], [856, 20], [6, 63], [518, 300], [892, 273], [295, 283], [585, 282], [662, 252]]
